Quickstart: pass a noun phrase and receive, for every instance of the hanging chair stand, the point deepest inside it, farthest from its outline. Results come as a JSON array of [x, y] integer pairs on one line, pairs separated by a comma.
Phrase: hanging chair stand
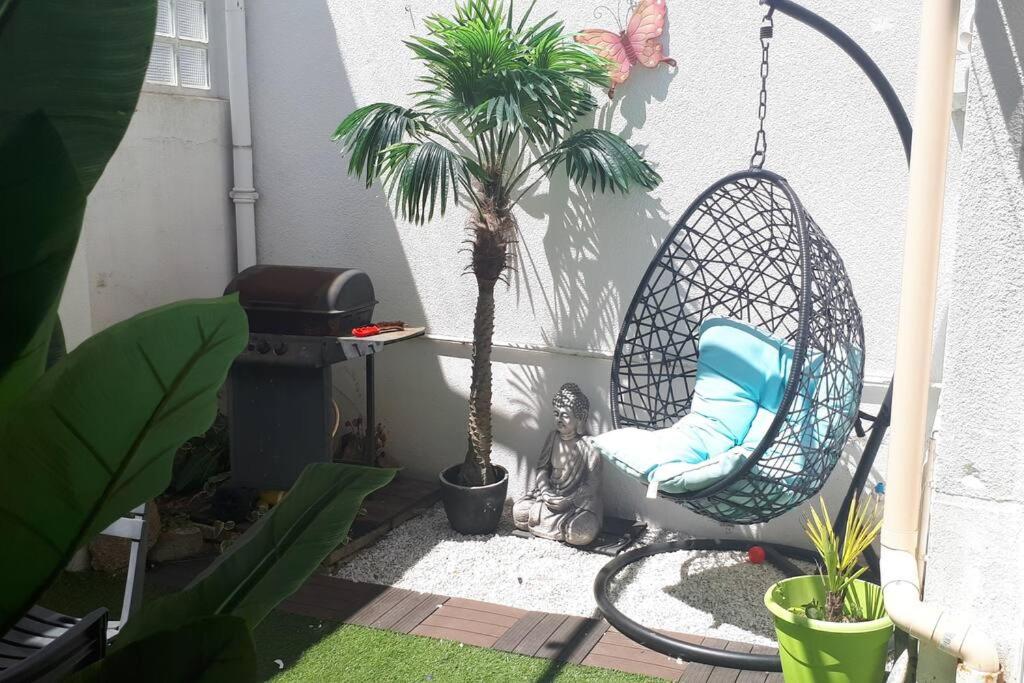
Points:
[[780, 556]]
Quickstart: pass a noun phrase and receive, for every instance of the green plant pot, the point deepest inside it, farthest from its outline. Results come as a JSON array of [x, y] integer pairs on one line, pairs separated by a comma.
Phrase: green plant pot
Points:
[[814, 651]]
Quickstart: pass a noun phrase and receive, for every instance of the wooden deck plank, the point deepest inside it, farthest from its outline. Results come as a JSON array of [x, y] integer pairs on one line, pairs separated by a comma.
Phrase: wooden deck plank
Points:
[[477, 615], [641, 655], [441, 621], [467, 637], [315, 611], [630, 666], [616, 638], [391, 617], [757, 676], [340, 597], [428, 605], [696, 672], [588, 635], [539, 634], [518, 631], [366, 615], [722, 674], [565, 638], [490, 608]]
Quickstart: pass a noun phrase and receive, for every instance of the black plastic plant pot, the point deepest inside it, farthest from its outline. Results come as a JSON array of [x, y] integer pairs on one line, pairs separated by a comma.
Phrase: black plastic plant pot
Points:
[[473, 509]]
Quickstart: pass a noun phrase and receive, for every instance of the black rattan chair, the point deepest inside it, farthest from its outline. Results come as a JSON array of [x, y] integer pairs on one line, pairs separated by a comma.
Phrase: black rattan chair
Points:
[[747, 249]]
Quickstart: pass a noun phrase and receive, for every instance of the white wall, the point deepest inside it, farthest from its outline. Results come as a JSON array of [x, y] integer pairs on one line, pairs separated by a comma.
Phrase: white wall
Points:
[[159, 225], [976, 546], [312, 63]]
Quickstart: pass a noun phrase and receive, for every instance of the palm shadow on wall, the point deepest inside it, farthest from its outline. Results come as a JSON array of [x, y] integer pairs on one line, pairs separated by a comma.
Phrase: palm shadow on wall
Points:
[[1000, 28]]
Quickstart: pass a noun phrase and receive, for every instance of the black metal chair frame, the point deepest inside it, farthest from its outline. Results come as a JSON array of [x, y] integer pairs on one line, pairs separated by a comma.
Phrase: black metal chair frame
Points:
[[48, 646], [778, 555]]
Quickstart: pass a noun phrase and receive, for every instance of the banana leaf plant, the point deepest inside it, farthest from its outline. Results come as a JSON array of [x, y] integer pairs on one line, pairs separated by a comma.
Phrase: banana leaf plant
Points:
[[95, 435], [499, 112]]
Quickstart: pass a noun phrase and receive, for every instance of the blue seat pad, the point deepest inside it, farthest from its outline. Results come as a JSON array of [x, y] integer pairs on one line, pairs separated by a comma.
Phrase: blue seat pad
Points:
[[739, 385]]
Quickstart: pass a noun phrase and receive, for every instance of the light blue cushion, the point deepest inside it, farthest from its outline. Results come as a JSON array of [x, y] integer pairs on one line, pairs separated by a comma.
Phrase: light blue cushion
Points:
[[740, 379]]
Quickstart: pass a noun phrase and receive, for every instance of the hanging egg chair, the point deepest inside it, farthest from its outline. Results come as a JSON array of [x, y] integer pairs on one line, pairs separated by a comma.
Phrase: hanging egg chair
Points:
[[747, 250], [748, 257]]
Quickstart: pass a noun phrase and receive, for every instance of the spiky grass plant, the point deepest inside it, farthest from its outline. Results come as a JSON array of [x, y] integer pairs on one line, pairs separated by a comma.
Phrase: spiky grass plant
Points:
[[840, 559], [498, 114]]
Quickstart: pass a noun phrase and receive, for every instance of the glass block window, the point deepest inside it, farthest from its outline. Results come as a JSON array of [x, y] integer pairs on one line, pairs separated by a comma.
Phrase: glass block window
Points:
[[180, 54]]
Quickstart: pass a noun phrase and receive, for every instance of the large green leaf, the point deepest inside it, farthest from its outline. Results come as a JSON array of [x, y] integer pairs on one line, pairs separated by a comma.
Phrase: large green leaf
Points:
[[97, 434], [420, 176], [41, 208], [603, 158], [208, 650], [80, 62], [274, 557], [80, 65], [368, 131]]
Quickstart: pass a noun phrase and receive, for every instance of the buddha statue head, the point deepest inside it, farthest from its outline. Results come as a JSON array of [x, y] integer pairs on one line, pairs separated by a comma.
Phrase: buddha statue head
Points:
[[571, 410]]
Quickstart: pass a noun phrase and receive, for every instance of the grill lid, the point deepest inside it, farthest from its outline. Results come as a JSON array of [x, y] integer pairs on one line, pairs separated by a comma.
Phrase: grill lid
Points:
[[303, 289], [301, 300]]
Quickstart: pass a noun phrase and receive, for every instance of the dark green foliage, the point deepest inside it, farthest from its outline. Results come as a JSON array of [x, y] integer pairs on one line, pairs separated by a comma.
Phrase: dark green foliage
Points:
[[75, 69], [96, 435], [274, 557], [207, 650], [200, 458], [605, 159]]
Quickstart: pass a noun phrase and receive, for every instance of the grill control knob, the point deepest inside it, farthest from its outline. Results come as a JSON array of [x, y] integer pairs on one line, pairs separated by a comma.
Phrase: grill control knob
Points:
[[281, 349], [263, 346]]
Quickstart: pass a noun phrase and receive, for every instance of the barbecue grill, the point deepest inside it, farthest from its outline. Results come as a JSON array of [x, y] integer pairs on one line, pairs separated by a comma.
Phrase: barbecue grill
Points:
[[280, 395]]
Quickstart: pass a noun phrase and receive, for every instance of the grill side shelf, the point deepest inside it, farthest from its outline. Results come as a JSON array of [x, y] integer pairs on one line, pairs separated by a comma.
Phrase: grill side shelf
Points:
[[311, 351]]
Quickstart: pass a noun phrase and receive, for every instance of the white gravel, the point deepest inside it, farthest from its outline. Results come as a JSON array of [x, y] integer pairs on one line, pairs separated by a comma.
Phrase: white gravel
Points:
[[715, 594]]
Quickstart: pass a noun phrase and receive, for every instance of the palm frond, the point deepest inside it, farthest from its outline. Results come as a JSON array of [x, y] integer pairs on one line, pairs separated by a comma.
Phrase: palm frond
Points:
[[422, 177], [368, 131], [603, 158], [487, 75], [840, 558]]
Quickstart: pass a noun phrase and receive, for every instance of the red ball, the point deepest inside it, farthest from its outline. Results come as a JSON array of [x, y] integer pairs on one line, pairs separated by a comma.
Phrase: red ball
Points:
[[756, 554]]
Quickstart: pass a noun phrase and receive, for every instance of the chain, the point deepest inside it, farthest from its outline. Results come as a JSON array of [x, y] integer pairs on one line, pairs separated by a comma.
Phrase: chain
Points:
[[761, 141]]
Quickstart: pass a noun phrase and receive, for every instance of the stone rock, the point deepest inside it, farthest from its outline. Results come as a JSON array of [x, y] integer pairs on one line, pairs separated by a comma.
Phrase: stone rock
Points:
[[178, 543]]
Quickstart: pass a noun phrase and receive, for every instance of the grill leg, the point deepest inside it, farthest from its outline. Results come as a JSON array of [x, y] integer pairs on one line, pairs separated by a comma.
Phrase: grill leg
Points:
[[370, 446]]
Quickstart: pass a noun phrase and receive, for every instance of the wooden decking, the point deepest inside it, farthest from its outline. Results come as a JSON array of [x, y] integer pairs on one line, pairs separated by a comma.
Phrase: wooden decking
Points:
[[557, 637]]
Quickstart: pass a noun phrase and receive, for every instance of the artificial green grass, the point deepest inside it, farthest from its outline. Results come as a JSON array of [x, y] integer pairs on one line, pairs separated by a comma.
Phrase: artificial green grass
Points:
[[355, 654], [321, 651]]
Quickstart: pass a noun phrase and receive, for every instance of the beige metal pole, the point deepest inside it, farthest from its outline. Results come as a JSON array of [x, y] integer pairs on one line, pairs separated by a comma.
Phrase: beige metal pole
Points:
[[920, 270], [901, 531]]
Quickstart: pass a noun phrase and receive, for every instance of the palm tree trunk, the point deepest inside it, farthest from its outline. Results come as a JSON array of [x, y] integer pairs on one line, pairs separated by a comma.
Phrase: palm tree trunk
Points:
[[492, 230], [476, 470]]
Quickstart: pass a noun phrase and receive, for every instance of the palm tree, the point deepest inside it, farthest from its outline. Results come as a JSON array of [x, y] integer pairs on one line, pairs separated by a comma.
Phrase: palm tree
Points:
[[498, 114]]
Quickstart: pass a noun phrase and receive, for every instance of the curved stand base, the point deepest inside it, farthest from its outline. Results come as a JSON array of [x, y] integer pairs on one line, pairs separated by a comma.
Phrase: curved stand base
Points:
[[778, 555]]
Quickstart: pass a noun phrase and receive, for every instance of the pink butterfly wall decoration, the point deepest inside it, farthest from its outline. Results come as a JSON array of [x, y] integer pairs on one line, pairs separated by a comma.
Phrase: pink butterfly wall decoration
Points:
[[638, 43]]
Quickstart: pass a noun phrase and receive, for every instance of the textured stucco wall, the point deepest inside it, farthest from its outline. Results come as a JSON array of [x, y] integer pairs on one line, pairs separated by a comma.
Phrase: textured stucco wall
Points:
[[159, 225], [976, 547], [311, 63]]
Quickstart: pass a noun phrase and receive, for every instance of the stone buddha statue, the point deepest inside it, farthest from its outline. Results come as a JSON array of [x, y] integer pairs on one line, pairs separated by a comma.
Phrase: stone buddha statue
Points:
[[564, 501]]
